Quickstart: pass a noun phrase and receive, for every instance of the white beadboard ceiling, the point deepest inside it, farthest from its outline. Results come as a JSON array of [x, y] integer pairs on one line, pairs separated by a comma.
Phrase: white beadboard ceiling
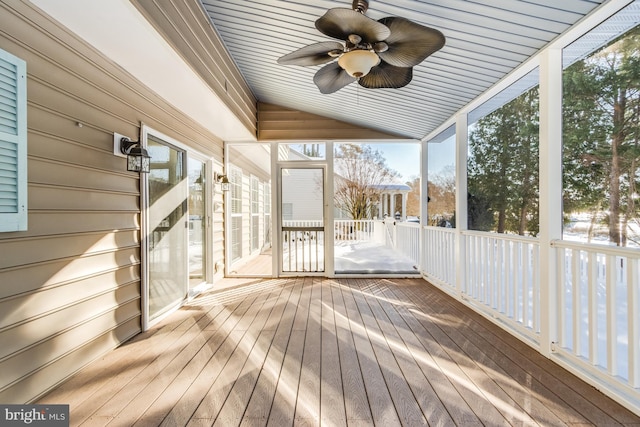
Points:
[[486, 39]]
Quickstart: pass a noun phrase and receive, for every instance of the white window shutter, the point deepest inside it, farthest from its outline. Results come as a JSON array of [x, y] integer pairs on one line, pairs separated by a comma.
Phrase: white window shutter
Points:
[[13, 143]]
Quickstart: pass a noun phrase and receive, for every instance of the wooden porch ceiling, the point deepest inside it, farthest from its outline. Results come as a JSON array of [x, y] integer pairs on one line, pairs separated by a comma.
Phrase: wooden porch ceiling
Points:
[[310, 351]]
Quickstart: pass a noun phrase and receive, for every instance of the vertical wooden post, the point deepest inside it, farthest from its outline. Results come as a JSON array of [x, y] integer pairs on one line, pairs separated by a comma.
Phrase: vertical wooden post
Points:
[[461, 200], [329, 202], [276, 213], [550, 192], [424, 206]]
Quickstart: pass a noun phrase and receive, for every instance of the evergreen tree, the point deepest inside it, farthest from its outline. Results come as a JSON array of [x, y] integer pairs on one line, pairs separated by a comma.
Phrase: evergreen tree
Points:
[[503, 168], [601, 150]]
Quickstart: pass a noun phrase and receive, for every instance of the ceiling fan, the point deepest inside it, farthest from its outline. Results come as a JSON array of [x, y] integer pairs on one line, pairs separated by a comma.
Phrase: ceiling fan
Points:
[[376, 54]]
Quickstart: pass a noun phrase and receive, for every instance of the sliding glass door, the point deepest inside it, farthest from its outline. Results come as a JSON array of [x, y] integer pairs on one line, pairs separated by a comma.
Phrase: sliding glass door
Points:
[[168, 222]]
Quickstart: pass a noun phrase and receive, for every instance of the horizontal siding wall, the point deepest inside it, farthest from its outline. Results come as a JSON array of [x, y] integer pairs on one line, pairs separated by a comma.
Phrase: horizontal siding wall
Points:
[[70, 284], [184, 24], [277, 123]]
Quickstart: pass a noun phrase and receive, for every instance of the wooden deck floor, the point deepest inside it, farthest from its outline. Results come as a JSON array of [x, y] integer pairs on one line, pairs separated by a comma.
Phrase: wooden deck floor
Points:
[[331, 352]]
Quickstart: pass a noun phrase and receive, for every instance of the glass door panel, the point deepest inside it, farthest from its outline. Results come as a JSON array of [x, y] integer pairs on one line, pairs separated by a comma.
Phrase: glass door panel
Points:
[[302, 210], [197, 222], [167, 227]]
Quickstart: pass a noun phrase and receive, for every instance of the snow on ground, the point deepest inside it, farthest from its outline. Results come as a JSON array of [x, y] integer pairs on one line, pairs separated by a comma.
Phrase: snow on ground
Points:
[[370, 257]]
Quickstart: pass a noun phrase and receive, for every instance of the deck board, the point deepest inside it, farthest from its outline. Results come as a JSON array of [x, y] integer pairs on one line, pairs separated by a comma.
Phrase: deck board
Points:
[[316, 351]]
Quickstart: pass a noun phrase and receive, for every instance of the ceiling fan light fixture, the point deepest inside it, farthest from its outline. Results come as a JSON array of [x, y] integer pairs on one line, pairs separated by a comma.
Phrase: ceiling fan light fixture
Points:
[[358, 63]]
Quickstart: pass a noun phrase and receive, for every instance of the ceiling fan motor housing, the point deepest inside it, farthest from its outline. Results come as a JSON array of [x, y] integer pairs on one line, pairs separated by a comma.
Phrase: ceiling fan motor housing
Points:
[[360, 6]]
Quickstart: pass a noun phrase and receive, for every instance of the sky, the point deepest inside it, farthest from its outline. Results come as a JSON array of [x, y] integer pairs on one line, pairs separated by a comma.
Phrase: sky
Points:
[[404, 158]]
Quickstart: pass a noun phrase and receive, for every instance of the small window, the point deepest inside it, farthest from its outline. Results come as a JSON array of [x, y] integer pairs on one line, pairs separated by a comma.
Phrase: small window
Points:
[[13, 143], [287, 211]]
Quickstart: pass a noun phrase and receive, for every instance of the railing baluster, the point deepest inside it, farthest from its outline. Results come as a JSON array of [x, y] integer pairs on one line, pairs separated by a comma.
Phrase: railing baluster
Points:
[[491, 266], [612, 330], [509, 293], [575, 294], [592, 282], [535, 287], [498, 275], [561, 296], [633, 328], [517, 273], [524, 282], [469, 285]]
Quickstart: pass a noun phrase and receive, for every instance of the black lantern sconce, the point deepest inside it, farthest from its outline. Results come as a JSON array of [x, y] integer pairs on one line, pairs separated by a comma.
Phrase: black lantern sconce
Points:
[[223, 181], [137, 157]]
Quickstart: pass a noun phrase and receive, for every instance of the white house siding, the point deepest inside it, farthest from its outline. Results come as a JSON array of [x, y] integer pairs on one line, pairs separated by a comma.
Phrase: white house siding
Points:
[[70, 284], [304, 194]]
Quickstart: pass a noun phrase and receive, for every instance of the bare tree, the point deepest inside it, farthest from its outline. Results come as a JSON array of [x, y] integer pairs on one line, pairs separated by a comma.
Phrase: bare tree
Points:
[[362, 174], [442, 196]]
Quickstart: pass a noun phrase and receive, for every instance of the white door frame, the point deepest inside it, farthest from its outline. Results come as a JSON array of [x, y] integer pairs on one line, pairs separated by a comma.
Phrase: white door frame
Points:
[[145, 131], [326, 214]]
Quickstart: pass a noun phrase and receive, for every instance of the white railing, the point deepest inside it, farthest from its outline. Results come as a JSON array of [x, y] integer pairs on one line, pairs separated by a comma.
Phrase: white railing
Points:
[[407, 240], [599, 311], [302, 223], [348, 229], [439, 256], [502, 276], [302, 246]]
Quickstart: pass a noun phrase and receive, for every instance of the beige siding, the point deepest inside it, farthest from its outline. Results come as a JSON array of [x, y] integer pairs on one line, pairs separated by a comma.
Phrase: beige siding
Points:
[[186, 27], [70, 284], [277, 123]]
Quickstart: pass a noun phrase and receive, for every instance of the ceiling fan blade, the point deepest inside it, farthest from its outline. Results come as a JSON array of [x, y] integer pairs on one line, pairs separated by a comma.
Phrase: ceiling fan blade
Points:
[[331, 78], [340, 23], [314, 54], [409, 43], [386, 76]]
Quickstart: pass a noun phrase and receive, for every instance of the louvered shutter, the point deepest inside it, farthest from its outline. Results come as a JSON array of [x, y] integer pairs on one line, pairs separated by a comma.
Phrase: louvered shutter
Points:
[[13, 143]]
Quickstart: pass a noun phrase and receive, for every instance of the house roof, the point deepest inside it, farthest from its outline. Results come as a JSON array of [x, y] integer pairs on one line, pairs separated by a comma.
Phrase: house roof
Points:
[[393, 187], [485, 40]]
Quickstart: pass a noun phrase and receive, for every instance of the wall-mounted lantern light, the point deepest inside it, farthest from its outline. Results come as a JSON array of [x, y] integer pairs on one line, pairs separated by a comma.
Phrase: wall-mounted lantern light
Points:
[[137, 157], [223, 181]]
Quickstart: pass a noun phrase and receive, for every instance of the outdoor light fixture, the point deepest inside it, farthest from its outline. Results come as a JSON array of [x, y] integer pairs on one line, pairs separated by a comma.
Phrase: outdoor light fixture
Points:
[[358, 63], [137, 156], [223, 181]]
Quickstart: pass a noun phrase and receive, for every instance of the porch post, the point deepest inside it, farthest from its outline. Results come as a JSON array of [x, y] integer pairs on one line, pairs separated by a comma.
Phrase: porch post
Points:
[[461, 200], [424, 206], [550, 192], [276, 243], [392, 207], [329, 213], [404, 206]]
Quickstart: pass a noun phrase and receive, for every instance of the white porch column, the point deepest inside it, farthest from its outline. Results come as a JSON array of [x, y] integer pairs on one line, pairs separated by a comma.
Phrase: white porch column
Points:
[[381, 207], [329, 266], [392, 203], [550, 191], [404, 205], [461, 200], [276, 212], [424, 180]]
